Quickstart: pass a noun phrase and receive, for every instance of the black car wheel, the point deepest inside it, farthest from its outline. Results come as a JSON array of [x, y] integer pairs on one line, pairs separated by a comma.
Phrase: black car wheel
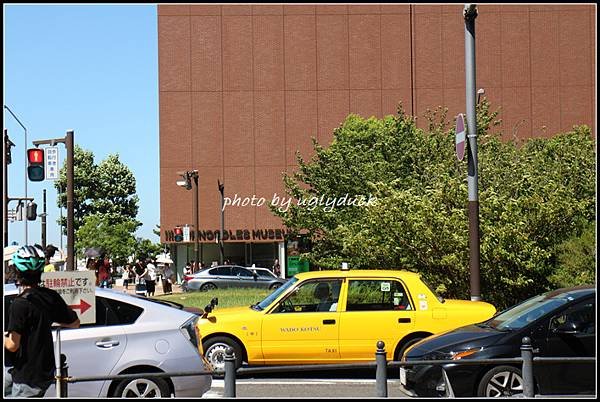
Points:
[[501, 381], [208, 286], [142, 388]]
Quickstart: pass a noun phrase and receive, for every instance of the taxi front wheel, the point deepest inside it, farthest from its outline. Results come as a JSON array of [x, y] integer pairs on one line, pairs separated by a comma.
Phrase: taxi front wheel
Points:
[[214, 352]]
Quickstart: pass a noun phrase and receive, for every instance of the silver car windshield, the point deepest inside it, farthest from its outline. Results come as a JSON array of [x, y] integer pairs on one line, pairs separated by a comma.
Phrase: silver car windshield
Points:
[[270, 298], [525, 313]]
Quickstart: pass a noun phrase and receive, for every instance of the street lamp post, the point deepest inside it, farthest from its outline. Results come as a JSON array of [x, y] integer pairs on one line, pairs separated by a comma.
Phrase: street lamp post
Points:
[[25, 129], [187, 184]]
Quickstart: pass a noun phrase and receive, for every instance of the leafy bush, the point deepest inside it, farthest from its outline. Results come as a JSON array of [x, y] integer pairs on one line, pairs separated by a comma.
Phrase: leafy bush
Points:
[[533, 196]]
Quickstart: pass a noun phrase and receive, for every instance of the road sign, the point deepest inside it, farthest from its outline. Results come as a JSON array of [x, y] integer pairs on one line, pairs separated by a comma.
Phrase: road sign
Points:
[[186, 233], [78, 290], [51, 163], [460, 137]]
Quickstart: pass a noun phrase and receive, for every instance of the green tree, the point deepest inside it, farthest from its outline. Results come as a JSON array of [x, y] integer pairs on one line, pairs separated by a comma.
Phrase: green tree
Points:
[[532, 197], [145, 248], [576, 258], [116, 239]]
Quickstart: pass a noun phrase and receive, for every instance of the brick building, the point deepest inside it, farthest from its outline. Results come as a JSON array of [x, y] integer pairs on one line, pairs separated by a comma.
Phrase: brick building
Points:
[[243, 87]]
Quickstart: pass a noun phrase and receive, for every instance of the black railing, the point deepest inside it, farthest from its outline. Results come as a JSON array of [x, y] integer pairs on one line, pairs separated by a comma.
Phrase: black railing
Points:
[[381, 365]]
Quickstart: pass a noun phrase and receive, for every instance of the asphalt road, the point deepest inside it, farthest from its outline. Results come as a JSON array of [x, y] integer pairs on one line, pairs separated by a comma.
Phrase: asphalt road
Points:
[[342, 384]]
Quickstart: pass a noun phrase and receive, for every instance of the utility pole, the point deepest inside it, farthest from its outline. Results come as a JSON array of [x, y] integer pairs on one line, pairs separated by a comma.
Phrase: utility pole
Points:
[[187, 184], [221, 233], [44, 221], [470, 13], [69, 144], [7, 144], [25, 129]]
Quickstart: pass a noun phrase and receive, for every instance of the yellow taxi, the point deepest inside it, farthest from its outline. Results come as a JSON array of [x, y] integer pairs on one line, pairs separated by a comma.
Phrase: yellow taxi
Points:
[[334, 317]]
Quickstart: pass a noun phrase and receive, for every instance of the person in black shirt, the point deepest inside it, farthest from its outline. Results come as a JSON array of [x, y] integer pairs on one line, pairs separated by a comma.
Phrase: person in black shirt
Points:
[[28, 337]]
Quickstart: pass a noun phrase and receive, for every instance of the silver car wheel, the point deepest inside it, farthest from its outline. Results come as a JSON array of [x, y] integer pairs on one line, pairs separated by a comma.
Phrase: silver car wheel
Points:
[[216, 355], [504, 383], [141, 388]]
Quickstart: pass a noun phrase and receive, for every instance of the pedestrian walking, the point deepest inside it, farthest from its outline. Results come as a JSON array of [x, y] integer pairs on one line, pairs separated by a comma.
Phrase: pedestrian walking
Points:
[[276, 268], [168, 279], [49, 253], [28, 344], [126, 276], [188, 269], [150, 277]]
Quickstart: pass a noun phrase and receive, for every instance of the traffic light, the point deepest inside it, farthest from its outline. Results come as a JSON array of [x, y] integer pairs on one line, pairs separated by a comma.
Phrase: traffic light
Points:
[[35, 170], [31, 211], [178, 233]]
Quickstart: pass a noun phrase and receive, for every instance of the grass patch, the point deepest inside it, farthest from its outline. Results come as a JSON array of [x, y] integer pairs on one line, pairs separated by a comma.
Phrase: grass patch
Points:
[[227, 297]]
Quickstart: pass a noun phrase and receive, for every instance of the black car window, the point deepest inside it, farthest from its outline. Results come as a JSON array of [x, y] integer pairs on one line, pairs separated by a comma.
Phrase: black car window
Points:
[[582, 315], [113, 312], [377, 295], [220, 271], [241, 272]]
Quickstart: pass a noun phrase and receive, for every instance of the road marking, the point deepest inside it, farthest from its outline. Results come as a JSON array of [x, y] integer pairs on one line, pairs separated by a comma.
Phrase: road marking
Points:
[[221, 383]]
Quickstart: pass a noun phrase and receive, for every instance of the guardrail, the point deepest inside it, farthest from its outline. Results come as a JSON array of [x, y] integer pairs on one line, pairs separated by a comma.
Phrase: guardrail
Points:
[[381, 365]]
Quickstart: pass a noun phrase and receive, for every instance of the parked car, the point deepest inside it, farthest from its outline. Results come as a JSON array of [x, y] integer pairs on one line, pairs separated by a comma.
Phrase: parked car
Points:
[[334, 317], [131, 334], [560, 323], [231, 276]]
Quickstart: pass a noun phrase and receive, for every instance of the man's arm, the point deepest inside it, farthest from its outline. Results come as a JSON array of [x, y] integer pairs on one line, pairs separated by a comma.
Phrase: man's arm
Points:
[[12, 341], [74, 324]]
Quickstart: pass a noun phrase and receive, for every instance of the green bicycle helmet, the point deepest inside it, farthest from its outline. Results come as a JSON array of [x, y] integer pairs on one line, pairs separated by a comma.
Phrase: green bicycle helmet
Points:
[[29, 258]]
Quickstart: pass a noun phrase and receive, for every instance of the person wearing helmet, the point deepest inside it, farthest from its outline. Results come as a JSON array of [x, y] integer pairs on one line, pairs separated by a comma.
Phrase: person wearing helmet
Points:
[[28, 338]]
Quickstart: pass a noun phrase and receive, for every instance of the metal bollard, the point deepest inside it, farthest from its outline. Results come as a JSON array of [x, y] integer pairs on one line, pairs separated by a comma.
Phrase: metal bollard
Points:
[[64, 373], [229, 380], [527, 356], [381, 372]]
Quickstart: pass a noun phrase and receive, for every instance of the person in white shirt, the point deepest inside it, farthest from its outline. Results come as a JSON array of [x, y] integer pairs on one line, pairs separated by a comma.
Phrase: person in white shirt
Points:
[[150, 277]]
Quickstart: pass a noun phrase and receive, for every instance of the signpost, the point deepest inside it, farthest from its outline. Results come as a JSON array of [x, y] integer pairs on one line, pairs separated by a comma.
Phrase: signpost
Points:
[[78, 290], [186, 233], [460, 137], [51, 163]]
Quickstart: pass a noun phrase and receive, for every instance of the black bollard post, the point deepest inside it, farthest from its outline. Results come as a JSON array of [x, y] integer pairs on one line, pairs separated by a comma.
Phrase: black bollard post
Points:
[[64, 373], [381, 371], [527, 356], [229, 380]]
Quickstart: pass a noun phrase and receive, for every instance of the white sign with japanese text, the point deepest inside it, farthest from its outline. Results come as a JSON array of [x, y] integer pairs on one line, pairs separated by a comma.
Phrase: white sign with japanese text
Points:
[[78, 290], [51, 163]]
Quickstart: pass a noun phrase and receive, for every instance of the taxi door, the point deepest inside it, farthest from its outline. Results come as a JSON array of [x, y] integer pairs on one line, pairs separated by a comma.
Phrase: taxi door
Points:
[[376, 310], [304, 326]]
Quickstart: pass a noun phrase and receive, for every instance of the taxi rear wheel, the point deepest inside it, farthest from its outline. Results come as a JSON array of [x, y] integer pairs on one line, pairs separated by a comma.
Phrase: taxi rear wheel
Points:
[[214, 352], [406, 346]]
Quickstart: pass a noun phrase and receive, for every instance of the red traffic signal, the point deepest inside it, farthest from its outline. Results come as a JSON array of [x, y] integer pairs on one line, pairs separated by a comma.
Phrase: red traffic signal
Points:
[[178, 233], [35, 170]]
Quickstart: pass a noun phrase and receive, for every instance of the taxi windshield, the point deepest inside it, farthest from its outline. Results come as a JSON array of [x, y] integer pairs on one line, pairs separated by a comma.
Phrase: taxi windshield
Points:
[[270, 298]]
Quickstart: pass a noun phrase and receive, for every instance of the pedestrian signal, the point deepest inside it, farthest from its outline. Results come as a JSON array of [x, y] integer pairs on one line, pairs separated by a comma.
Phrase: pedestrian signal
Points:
[[35, 169], [178, 234]]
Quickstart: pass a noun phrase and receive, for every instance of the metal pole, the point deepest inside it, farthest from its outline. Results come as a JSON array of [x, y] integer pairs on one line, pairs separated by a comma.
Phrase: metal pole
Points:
[[44, 221], [381, 370], [25, 129], [70, 208], [6, 150], [222, 191], [470, 13], [196, 219], [229, 381], [57, 363], [527, 356]]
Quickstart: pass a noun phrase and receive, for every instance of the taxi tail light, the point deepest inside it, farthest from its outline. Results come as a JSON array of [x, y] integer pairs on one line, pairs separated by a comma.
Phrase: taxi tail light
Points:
[[191, 332]]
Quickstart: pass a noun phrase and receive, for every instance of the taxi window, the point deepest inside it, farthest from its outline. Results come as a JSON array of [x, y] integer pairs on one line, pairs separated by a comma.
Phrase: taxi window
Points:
[[377, 295], [313, 296]]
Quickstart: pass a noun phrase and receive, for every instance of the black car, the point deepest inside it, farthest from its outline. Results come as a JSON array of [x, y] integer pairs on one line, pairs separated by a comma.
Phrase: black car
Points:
[[560, 323]]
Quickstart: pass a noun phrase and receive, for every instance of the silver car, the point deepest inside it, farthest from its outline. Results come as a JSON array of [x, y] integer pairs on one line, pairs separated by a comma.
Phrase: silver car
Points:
[[228, 276], [131, 335]]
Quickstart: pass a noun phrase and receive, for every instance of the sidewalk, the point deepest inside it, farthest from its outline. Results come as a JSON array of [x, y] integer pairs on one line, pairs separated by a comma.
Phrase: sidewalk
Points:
[[158, 290]]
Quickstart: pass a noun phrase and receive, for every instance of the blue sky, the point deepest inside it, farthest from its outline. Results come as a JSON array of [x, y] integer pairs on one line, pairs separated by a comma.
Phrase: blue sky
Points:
[[90, 68]]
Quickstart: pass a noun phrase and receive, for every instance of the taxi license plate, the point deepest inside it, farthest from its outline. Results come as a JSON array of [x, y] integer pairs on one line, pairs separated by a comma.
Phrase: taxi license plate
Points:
[[402, 376]]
